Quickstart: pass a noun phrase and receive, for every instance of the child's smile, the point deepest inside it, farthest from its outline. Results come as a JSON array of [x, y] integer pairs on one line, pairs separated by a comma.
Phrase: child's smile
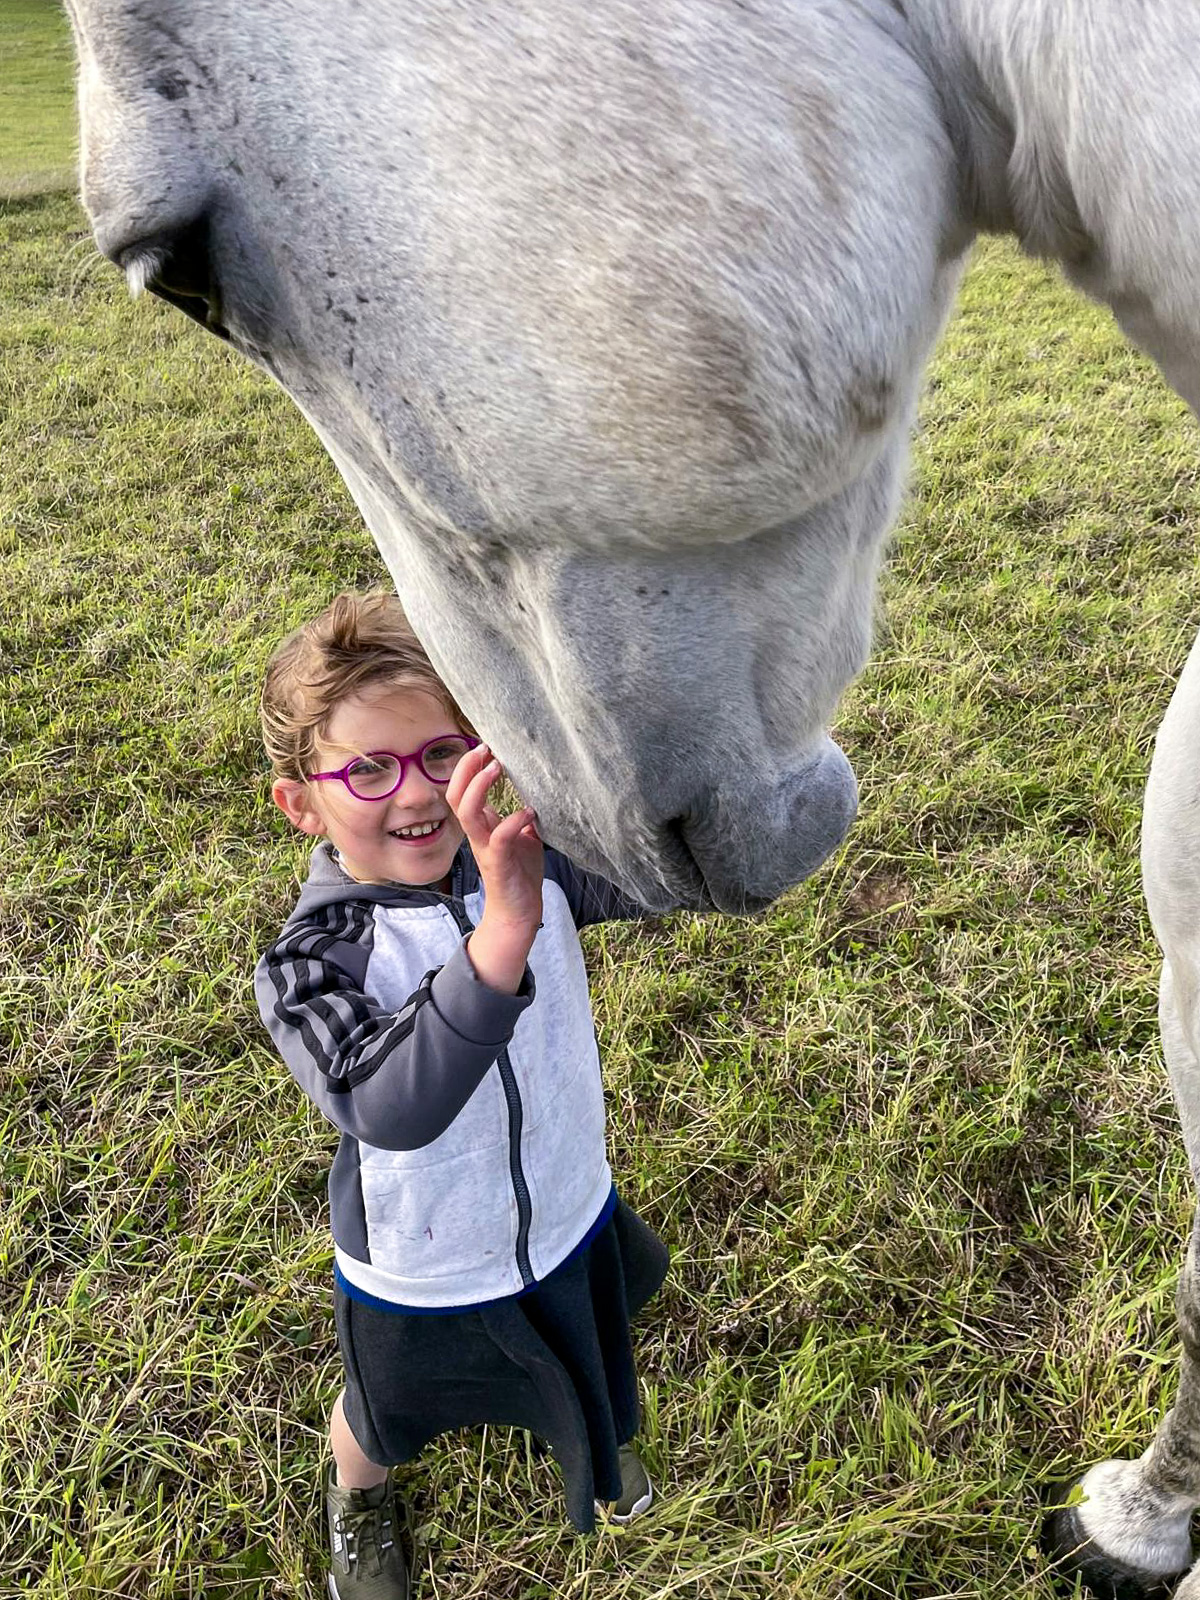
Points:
[[419, 836]]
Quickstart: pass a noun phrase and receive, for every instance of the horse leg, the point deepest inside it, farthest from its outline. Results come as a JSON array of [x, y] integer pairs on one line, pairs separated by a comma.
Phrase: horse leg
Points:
[[1128, 1536]]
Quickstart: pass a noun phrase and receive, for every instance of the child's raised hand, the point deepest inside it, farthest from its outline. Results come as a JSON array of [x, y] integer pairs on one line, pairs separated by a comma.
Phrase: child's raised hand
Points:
[[509, 854]]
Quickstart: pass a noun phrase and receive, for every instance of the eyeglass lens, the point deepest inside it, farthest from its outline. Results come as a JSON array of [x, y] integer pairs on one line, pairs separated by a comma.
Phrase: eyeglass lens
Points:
[[372, 777]]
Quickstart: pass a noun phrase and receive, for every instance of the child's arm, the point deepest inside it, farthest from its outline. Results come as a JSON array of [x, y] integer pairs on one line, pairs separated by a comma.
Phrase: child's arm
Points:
[[394, 1079]]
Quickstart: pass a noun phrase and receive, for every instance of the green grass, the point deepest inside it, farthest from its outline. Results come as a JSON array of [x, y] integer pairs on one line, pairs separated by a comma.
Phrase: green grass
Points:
[[37, 130], [907, 1135]]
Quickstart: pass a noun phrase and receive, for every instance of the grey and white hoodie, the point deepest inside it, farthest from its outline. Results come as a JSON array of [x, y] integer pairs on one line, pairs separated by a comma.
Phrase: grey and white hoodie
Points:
[[472, 1157]]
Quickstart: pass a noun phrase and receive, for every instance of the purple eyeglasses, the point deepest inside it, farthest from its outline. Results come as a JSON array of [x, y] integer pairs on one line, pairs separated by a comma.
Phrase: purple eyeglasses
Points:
[[380, 773]]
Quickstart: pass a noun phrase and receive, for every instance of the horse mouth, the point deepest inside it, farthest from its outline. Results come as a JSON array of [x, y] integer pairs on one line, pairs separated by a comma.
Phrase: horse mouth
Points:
[[683, 872], [694, 888], [176, 265]]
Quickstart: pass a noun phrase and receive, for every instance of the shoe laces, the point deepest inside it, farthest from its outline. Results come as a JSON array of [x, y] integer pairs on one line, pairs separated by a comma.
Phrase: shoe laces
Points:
[[367, 1531]]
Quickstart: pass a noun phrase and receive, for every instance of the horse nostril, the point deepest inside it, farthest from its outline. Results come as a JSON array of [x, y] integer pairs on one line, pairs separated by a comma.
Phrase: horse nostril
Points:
[[177, 266]]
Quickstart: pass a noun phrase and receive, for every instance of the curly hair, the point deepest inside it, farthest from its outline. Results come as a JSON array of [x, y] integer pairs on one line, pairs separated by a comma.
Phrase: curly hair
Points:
[[357, 641]]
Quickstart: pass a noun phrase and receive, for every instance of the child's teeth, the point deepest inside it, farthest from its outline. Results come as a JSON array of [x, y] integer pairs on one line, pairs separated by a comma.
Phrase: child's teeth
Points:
[[416, 833]]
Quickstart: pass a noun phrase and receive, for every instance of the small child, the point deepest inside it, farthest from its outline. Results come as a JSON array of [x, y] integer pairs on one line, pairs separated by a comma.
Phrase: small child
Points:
[[429, 994]]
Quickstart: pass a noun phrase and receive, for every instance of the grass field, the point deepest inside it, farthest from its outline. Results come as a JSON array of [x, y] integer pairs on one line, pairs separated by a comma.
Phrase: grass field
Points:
[[37, 128], [907, 1134]]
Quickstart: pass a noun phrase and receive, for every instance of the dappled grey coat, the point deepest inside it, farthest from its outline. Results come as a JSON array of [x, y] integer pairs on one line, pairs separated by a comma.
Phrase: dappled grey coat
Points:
[[472, 1159]]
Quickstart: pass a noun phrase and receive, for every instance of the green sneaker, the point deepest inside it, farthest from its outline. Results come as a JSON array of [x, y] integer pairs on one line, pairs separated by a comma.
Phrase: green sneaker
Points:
[[366, 1562], [636, 1489]]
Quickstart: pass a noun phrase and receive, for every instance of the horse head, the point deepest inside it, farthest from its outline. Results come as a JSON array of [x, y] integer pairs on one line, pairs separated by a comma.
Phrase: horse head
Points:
[[613, 321]]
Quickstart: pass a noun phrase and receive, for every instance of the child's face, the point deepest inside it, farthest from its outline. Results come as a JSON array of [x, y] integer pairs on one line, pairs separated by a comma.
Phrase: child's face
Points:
[[367, 833]]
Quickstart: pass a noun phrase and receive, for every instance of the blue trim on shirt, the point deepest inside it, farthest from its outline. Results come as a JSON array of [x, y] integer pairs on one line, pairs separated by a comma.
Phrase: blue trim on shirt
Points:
[[353, 1292]]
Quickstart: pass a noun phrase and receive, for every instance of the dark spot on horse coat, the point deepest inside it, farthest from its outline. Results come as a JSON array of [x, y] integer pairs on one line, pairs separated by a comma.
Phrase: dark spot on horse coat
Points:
[[800, 357], [171, 85], [636, 52], [726, 383], [870, 401], [494, 562], [818, 137]]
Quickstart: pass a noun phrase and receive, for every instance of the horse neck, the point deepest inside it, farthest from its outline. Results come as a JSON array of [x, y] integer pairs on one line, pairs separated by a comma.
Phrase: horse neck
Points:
[[1005, 70]]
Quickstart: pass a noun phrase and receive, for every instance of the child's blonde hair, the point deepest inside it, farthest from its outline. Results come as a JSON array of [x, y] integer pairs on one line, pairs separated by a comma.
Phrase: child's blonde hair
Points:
[[358, 640]]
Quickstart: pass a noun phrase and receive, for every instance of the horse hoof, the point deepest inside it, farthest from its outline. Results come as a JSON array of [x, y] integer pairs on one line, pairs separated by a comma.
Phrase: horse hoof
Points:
[[1072, 1555]]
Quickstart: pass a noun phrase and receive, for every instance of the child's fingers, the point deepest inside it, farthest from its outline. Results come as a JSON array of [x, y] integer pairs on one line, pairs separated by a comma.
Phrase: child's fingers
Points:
[[473, 799], [513, 826], [469, 765], [475, 796]]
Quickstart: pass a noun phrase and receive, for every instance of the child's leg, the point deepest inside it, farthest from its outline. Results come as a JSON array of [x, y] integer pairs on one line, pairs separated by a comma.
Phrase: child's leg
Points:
[[363, 1514], [354, 1470]]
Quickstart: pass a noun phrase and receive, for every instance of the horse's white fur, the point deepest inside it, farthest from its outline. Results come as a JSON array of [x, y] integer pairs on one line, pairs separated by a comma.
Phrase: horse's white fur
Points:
[[1113, 1512], [613, 316]]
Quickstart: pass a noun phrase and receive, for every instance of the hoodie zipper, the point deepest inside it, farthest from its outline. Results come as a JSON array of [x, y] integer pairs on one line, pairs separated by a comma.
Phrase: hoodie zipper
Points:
[[512, 1098]]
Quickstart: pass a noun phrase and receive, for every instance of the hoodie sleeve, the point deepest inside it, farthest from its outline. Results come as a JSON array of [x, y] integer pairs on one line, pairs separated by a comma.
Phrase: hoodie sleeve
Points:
[[394, 1079], [591, 897]]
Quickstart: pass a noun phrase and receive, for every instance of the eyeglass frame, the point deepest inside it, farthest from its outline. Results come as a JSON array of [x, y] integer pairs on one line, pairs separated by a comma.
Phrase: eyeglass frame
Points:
[[413, 757]]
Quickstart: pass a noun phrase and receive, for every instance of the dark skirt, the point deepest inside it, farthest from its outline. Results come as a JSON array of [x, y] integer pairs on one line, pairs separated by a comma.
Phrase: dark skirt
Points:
[[557, 1361]]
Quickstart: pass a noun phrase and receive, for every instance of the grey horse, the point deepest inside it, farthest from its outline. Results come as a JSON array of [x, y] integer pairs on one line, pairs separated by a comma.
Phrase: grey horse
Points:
[[613, 316]]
